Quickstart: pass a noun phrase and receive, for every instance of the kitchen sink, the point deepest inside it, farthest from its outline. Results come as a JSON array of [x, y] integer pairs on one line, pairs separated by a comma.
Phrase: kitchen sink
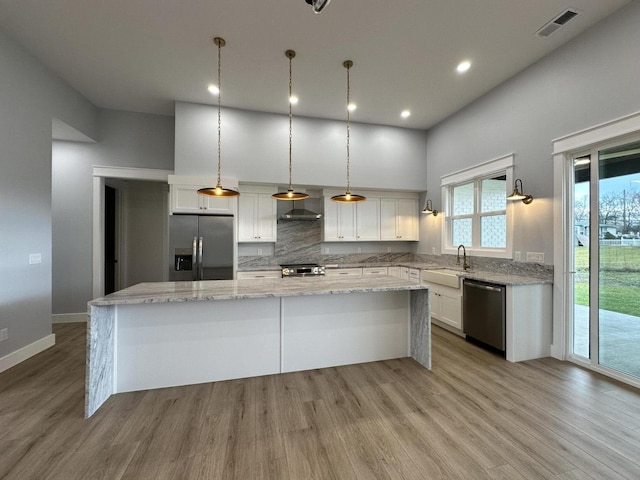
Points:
[[442, 276]]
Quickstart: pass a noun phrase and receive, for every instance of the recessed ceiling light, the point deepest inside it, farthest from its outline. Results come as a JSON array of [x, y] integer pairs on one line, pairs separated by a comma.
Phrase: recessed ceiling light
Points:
[[405, 114], [213, 89], [463, 66], [351, 107], [293, 100]]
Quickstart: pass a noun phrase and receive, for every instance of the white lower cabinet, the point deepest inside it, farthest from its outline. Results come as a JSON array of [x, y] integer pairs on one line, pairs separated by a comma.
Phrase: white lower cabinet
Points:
[[256, 275], [446, 305], [395, 272], [414, 275]]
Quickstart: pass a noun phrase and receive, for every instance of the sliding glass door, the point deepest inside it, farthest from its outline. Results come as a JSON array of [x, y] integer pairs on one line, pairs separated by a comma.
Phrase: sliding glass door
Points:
[[606, 257]]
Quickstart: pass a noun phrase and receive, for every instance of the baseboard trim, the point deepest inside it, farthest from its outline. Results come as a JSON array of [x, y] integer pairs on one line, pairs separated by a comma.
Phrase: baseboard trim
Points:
[[28, 351], [69, 318]]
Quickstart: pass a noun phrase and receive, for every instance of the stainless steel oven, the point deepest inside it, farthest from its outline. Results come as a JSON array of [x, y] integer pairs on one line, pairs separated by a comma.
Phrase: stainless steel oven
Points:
[[302, 270]]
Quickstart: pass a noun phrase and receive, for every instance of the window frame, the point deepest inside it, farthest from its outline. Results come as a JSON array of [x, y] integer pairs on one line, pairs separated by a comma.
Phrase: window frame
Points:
[[475, 175]]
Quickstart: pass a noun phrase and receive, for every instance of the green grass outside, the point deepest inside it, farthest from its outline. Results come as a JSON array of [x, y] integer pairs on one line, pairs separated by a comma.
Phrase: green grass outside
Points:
[[619, 278]]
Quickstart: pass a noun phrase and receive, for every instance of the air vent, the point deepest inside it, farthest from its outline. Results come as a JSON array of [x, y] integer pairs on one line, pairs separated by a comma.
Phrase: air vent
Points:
[[560, 21]]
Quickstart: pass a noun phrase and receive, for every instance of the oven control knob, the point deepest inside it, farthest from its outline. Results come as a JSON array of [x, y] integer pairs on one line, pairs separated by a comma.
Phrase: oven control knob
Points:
[[285, 271]]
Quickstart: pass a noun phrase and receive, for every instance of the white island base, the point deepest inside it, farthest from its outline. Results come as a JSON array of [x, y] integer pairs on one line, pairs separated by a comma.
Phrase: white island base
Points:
[[170, 341]]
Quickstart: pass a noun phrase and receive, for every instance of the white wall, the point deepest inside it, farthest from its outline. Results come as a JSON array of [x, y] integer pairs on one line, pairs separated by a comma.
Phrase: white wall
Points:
[[255, 148], [30, 97], [591, 80], [126, 140]]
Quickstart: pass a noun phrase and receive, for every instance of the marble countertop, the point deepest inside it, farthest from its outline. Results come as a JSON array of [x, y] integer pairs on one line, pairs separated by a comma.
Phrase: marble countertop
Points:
[[504, 279], [165, 292], [485, 276]]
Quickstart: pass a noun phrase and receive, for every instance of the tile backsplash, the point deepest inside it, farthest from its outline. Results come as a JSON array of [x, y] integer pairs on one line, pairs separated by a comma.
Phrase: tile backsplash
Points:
[[301, 242]]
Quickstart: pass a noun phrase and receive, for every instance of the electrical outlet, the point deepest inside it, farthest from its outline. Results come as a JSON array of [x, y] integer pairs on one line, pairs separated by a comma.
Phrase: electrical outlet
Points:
[[518, 256], [4, 334], [388, 249], [259, 251], [35, 258], [326, 249], [359, 250], [433, 250], [536, 257]]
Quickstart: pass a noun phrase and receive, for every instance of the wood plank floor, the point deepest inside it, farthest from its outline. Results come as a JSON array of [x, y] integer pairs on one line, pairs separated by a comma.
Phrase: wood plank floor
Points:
[[474, 416]]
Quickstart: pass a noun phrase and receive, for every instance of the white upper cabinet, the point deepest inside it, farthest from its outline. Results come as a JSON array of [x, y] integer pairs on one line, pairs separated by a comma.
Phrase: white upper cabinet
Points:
[[257, 220], [399, 219], [368, 220], [379, 217], [339, 221], [185, 198]]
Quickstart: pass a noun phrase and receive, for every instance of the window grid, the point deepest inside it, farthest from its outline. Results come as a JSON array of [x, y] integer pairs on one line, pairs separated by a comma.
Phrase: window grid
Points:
[[484, 222]]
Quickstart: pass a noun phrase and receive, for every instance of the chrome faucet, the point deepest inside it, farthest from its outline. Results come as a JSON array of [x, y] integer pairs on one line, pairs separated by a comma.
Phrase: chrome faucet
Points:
[[465, 265]]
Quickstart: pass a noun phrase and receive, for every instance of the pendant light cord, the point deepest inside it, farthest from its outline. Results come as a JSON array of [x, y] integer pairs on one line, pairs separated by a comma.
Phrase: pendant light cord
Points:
[[348, 128], [220, 43], [290, 120]]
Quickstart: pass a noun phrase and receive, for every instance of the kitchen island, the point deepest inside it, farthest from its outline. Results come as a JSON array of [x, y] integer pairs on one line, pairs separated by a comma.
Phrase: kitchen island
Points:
[[155, 335]]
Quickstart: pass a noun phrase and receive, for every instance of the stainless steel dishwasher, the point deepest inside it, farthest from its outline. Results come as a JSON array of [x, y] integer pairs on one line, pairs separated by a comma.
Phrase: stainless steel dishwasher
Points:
[[484, 313]]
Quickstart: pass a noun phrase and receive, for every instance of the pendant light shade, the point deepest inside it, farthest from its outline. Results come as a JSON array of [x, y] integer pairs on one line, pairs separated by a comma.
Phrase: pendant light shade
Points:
[[218, 190], [348, 197], [290, 194]]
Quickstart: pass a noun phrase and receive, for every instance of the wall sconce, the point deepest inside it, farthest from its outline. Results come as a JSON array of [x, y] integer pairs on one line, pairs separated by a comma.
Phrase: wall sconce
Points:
[[519, 194], [428, 208]]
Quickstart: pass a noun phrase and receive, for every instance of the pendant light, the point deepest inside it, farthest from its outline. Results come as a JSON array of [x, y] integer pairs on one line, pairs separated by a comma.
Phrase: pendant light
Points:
[[348, 197], [290, 194], [218, 191]]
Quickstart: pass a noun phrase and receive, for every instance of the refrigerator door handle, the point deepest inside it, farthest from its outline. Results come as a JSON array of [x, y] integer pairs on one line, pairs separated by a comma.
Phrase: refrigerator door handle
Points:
[[200, 260], [194, 260]]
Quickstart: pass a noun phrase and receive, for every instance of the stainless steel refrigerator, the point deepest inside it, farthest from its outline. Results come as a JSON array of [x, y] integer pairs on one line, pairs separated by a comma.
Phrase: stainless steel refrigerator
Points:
[[200, 247]]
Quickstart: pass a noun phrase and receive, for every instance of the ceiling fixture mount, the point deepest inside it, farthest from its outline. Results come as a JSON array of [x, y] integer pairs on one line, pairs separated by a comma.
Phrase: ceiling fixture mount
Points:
[[218, 191], [318, 5], [290, 194], [348, 197], [519, 194]]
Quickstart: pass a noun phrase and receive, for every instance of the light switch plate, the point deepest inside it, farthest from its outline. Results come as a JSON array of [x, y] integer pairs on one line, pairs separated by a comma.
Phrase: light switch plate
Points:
[[518, 256], [35, 258], [4, 334], [536, 257]]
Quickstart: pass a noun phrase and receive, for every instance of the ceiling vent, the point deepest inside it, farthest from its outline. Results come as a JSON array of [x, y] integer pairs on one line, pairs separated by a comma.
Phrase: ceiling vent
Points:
[[560, 21]]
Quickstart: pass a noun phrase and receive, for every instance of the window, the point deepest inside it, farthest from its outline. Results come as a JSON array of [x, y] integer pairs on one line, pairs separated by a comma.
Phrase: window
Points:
[[476, 213]]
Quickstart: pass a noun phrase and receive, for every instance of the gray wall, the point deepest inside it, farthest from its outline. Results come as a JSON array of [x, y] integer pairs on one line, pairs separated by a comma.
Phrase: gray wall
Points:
[[126, 140], [591, 80], [30, 97], [255, 148]]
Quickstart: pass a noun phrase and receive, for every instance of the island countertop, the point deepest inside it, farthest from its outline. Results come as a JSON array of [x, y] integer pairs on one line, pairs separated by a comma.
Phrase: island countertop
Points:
[[167, 292]]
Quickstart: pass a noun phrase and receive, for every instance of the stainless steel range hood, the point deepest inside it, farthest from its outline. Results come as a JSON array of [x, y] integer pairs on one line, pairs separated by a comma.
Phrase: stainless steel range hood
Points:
[[300, 213]]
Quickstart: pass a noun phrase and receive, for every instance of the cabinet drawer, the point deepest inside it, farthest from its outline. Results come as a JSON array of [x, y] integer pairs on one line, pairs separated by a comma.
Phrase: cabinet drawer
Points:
[[344, 272], [259, 275], [375, 271]]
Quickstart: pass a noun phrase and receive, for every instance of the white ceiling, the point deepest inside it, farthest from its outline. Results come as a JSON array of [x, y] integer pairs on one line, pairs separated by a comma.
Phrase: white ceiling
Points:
[[141, 55]]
